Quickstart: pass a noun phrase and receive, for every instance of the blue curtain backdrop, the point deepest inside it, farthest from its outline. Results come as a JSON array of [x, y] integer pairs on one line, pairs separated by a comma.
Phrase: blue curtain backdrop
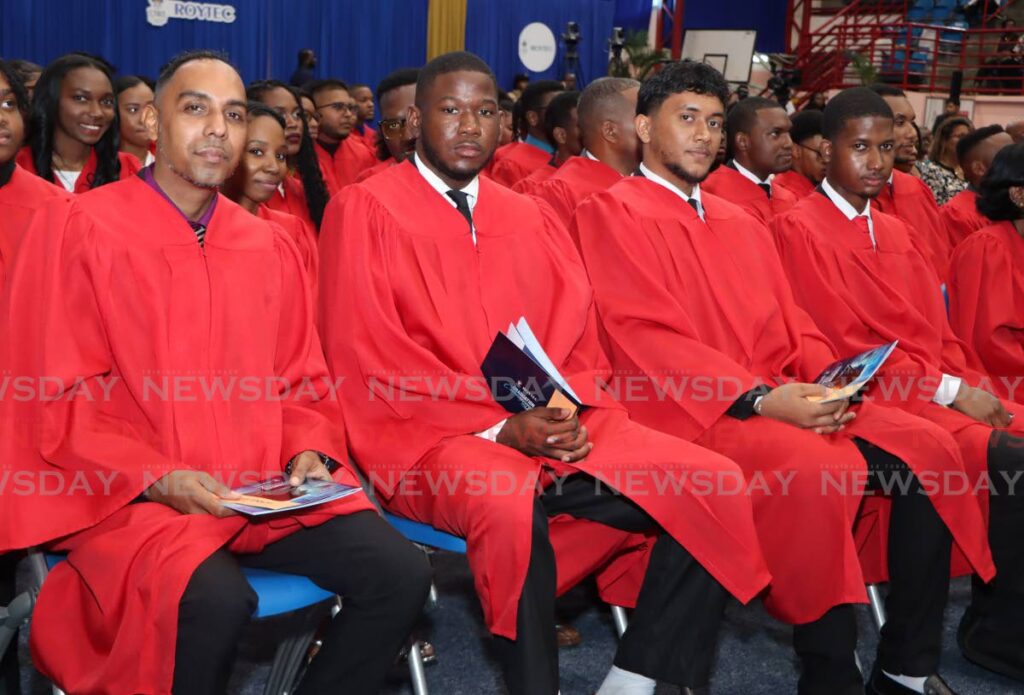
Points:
[[357, 41], [493, 26]]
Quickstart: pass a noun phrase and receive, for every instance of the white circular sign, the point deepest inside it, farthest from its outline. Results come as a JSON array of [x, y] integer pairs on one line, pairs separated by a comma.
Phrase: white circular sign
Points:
[[537, 47]]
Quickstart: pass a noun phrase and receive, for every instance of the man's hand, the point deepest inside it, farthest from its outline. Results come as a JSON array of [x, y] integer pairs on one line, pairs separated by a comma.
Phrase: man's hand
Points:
[[550, 432], [308, 466], [788, 403], [192, 492], [981, 405]]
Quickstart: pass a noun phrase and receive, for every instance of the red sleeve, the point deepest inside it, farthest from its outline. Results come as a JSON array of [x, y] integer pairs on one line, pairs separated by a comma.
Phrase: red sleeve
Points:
[[558, 195], [310, 411], [983, 304], [508, 171], [130, 164]]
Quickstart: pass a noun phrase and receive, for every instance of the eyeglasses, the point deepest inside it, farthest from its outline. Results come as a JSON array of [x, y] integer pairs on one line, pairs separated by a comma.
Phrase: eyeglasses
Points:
[[392, 127], [812, 149], [340, 106]]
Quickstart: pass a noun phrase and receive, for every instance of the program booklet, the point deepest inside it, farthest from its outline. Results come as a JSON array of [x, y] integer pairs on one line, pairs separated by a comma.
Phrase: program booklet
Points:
[[846, 377], [276, 495], [521, 376]]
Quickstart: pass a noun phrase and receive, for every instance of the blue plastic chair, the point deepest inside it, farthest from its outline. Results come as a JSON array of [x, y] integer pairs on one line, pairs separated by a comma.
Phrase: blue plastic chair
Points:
[[278, 594]]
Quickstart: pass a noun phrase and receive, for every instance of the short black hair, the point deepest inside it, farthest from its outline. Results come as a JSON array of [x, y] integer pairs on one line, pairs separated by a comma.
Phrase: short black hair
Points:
[[887, 90], [317, 86], [676, 78], [742, 116], [360, 85], [806, 125], [256, 109], [14, 79], [399, 78], [184, 58], [305, 53], [456, 61], [533, 96], [594, 98], [128, 81], [975, 138], [955, 102], [505, 102], [1007, 171], [855, 102], [559, 113]]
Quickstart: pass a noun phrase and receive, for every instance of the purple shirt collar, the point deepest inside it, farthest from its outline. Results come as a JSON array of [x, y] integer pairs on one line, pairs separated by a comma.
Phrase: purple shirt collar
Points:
[[147, 176]]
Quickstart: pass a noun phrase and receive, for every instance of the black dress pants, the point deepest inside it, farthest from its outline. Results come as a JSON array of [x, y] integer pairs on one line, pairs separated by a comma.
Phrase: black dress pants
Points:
[[672, 633], [919, 555], [9, 676], [383, 579]]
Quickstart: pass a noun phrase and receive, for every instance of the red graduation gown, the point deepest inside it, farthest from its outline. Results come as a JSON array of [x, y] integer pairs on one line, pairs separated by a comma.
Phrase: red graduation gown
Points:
[[305, 240], [862, 298], [575, 181], [910, 199], [375, 169], [727, 183], [961, 216], [986, 303], [528, 185], [707, 304], [795, 183], [19, 199], [517, 160], [409, 307], [130, 322], [129, 166], [293, 201], [342, 168]]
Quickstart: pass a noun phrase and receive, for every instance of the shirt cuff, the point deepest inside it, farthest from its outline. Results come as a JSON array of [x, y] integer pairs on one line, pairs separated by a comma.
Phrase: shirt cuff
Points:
[[491, 433], [745, 406], [947, 391]]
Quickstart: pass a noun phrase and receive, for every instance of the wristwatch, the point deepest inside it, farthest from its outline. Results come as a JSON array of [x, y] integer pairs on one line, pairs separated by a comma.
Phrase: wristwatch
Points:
[[330, 464]]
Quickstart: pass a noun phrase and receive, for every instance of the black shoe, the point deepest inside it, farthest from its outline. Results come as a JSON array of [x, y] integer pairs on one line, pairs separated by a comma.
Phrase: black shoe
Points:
[[990, 650], [702, 690], [881, 684]]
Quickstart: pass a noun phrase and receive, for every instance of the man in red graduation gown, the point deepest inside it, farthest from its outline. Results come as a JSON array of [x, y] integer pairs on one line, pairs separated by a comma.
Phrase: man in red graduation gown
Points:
[[861, 277], [363, 95], [142, 294], [532, 149], [759, 148], [985, 276], [342, 155], [695, 307], [808, 166], [908, 197], [611, 149], [975, 152], [422, 266], [21, 194], [396, 94], [561, 125]]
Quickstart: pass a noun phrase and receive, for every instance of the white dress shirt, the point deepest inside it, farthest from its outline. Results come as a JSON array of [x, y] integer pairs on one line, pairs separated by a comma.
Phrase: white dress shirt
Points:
[[748, 174], [661, 181], [471, 189]]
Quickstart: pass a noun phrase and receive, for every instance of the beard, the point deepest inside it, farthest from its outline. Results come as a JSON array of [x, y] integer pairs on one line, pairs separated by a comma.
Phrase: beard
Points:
[[690, 178], [430, 154]]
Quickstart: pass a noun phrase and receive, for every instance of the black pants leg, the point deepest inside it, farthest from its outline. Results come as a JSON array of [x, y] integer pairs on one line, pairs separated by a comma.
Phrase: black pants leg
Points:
[[1001, 603], [673, 631], [383, 579], [919, 551], [919, 555], [9, 676]]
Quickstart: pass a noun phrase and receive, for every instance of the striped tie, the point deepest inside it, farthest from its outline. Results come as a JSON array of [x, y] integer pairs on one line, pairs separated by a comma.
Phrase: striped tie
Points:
[[200, 230]]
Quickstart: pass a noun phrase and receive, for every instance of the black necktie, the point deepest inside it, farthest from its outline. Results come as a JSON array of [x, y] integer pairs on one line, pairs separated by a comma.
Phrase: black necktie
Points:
[[200, 231], [462, 205], [767, 188], [694, 204]]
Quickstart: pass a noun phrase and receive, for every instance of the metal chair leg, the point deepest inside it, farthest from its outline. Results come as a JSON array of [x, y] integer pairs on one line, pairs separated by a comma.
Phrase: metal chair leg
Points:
[[288, 661], [620, 619], [877, 605], [417, 673]]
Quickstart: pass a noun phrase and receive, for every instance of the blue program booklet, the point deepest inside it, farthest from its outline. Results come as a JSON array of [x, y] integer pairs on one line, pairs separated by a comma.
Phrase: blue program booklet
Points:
[[276, 495], [846, 377]]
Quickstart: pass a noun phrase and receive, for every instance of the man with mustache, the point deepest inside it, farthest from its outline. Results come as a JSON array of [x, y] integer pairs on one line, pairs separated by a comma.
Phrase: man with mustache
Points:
[[760, 147], [859, 274], [395, 141], [146, 292], [343, 156], [423, 265], [689, 284]]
